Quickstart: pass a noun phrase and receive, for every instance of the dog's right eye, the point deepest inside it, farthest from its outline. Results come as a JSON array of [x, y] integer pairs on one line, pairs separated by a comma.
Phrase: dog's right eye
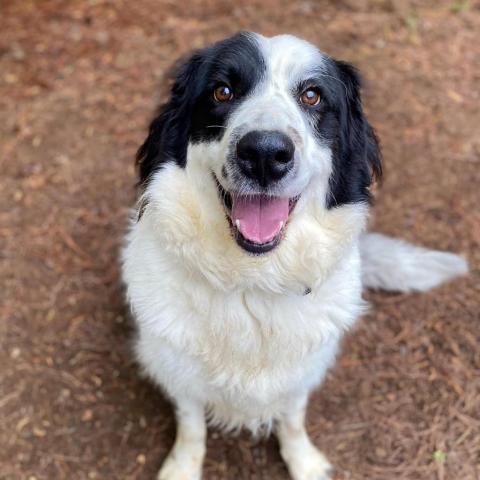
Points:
[[223, 93]]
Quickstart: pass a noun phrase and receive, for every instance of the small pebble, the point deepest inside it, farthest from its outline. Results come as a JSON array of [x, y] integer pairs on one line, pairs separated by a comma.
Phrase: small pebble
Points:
[[87, 415]]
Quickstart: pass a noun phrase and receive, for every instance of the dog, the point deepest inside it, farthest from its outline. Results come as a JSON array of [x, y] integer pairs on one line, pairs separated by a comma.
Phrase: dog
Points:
[[246, 256]]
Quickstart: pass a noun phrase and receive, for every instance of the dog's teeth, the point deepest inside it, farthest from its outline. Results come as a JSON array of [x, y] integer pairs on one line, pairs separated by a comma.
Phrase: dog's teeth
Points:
[[237, 223]]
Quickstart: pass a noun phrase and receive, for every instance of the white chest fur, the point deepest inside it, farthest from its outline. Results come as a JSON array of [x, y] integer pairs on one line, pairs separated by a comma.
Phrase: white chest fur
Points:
[[234, 330], [246, 348]]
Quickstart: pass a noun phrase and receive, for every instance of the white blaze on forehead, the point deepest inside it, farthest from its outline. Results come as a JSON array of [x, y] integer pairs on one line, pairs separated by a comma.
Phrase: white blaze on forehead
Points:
[[289, 59]]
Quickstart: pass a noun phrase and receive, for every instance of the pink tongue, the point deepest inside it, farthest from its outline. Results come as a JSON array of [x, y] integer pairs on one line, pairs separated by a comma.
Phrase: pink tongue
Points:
[[261, 217]]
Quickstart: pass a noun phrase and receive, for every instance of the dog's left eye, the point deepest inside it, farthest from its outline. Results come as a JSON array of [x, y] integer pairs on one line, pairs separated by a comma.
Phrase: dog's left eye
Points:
[[310, 97], [223, 93]]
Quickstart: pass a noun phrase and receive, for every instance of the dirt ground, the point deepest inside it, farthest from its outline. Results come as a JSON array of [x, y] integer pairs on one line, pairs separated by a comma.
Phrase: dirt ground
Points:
[[78, 83]]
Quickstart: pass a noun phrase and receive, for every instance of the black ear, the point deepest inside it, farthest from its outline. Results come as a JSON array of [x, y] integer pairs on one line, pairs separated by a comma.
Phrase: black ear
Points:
[[357, 157], [168, 133]]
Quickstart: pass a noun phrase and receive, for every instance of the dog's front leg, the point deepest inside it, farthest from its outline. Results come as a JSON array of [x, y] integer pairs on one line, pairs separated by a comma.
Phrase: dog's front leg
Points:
[[185, 460], [303, 459]]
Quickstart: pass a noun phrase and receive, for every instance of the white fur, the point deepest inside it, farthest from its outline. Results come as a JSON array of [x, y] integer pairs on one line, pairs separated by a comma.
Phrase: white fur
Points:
[[233, 336], [231, 332], [250, 335], [395, 265], [303, 460]]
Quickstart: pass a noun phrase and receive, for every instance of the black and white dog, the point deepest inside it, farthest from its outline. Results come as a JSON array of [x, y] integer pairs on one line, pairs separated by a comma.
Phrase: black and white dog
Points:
[[246, 259]]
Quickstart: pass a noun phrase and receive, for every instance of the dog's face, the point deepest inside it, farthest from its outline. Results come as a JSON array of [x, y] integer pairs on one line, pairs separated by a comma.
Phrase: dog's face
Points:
[[273, 120]]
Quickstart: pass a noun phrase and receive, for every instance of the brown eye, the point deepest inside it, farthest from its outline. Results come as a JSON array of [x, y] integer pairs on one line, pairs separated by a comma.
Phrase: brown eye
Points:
[[310, 97], [223, 93]]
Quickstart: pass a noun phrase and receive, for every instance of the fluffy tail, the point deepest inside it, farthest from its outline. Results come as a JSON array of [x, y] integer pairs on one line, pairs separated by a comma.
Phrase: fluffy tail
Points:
[[395, 265]]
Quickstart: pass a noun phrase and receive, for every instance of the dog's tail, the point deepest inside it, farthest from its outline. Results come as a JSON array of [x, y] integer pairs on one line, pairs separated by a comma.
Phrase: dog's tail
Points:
[[395, 265]]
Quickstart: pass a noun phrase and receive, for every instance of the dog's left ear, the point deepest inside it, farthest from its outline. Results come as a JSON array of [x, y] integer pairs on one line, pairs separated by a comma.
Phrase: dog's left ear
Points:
[[357, 157]]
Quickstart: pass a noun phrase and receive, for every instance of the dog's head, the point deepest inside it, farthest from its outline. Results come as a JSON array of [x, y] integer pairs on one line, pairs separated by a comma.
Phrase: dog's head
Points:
[[272, 122]]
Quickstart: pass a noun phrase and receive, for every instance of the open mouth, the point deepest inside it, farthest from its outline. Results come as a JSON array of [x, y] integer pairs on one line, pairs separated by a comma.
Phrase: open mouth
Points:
[[257, 221]]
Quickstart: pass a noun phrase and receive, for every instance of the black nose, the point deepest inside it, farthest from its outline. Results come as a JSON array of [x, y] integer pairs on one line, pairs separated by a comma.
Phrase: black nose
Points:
[[265, 156]]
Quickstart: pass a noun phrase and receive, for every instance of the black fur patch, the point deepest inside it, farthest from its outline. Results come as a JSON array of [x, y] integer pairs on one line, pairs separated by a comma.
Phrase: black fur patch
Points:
[[191, 113], [341, 123], [355, 148]]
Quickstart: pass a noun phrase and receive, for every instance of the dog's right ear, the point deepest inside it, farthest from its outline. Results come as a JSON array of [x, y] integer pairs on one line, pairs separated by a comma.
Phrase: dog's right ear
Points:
[[169, 131]]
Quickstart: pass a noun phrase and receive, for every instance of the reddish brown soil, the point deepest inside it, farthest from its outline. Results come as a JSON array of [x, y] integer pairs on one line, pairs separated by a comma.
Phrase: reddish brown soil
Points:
[[78, 82]]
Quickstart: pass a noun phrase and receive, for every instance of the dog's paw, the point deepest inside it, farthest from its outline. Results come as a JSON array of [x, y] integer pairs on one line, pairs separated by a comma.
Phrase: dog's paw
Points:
[[174, 468], [310, 465]]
